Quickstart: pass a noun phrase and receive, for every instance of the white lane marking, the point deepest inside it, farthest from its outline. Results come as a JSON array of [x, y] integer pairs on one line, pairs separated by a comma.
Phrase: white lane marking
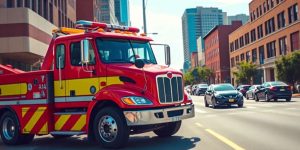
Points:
[[200, 111], [251, 107], [291, 108]]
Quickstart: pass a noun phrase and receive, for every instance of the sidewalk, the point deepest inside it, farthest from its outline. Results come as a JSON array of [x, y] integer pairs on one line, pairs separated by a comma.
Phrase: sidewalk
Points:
[[297, 95]]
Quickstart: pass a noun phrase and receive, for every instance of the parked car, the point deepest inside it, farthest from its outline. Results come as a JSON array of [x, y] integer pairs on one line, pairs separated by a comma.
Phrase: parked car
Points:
[[223, 94], [194, 88], [274, 90], [243, 89], [252, 91], [201, 89]]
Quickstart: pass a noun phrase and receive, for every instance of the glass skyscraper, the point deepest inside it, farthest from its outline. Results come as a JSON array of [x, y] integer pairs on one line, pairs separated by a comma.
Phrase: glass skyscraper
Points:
[[197, 22], [122, 12]]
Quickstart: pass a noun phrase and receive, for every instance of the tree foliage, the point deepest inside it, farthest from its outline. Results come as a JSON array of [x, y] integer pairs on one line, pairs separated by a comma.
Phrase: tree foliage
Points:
[[288, 68], [246, 72], [197, 75]]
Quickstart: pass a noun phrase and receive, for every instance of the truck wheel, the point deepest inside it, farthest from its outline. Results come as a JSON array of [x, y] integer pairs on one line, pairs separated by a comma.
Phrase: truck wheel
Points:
[[168, 130], [110, 128], [11, 132]]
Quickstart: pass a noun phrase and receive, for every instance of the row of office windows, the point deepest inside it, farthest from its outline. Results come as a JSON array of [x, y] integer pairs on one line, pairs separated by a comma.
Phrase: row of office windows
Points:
[[262, 9], [45, 9], [267, 28], [259, 53]]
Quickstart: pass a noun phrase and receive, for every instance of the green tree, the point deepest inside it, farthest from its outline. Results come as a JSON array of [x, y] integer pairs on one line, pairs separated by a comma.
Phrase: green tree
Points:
[[188, 78], [246, 72], [197, 75], [288, 68]]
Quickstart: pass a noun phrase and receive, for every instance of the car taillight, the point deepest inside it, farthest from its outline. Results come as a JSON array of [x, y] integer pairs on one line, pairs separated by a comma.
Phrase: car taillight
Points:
[[273, 88], [289, 88]]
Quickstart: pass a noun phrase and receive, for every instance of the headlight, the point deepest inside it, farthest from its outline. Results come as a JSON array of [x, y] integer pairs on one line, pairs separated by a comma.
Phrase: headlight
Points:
[[189, 97], [135, 100], [218, 96]]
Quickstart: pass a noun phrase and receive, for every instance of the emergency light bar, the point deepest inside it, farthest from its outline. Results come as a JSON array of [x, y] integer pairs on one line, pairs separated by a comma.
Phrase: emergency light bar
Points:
[[83, 24]]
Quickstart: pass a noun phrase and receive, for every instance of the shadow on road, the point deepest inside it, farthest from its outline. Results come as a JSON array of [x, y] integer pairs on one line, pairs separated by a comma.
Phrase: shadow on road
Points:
[[79, 143]]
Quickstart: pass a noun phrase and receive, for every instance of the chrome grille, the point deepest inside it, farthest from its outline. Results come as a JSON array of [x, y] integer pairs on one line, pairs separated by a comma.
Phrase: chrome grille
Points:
[[170, 90]]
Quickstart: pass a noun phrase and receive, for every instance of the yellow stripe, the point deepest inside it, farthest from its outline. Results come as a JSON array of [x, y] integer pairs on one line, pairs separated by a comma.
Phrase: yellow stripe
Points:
[[44, 129], [82, 86], [225, 140], [80, 123], [199, 125], [13, 89], [61, 121], [34, 119], [24, 111]]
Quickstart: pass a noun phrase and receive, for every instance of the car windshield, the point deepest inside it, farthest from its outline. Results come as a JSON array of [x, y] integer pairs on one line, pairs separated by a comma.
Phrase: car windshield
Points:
[[223, 87], [124, 51], [278, 84]]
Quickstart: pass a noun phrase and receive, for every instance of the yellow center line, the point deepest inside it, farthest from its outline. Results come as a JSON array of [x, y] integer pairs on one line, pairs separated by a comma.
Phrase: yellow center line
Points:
[[225, 140], [199, 124]]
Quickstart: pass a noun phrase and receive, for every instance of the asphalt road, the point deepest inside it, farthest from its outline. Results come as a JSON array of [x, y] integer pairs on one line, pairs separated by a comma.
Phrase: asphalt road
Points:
[[257, 126]]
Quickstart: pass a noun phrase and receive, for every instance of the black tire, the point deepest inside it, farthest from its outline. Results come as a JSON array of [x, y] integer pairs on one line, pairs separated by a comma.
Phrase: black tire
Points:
[[10, 131], [275, 99], [213, 103], [205, 102], [168, 130], [256, 98], [116, 123], [241, 105], [288, 99], [267, 97], [247, 97]]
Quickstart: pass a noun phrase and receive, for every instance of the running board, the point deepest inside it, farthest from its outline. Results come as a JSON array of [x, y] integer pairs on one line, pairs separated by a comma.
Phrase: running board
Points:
[[66, 133]]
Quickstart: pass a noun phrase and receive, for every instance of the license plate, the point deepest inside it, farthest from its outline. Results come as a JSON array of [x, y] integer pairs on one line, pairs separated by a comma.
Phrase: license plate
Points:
[[231, 100], [176, 118], [282, 89]]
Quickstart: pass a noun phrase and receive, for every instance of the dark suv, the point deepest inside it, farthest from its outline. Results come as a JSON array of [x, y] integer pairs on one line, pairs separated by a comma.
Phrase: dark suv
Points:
[[274, 90]]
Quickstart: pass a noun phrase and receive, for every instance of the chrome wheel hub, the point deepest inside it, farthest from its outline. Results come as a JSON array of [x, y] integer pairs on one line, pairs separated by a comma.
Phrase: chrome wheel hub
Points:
[[107, 128], [8, 128]]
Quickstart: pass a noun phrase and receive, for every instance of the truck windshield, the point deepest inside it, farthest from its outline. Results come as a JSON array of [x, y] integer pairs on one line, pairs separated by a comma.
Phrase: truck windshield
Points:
[[124, 51]]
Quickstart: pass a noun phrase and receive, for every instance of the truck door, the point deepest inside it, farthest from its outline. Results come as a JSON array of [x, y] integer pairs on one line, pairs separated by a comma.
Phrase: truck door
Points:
[[59, 73], [83, 80]]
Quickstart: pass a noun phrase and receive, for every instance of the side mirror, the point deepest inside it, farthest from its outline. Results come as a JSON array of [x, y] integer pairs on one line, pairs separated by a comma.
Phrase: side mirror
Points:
[[85, 58], [167, 55], [139, 63]]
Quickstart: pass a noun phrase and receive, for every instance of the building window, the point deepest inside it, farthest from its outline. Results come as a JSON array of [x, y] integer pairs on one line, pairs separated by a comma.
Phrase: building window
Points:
[[282, 46], [20, 3], [248, 56], [10, 3], [34, 8], [51, 12], [242, 57], [260, 9], [247, 38], [260, 32], [45, 14], [257, 12], [231, 47], [236, 44], [253, 35], [232, 62], [265, 7], [270, 26], [28, 4], [271, 3], [293, 13], [271, 49], [241, 41], [254, 55], [295, 45], [281, 20], [40, 5], [268, 5], [261, 54], [237, 59]]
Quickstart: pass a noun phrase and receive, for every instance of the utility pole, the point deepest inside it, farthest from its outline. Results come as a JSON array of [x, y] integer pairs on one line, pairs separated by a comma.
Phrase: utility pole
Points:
[[144, 17]]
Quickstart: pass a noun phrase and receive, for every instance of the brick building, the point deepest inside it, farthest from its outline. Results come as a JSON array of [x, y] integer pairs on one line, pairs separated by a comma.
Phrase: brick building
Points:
[[29, 23], [217, 51], [273, 31]]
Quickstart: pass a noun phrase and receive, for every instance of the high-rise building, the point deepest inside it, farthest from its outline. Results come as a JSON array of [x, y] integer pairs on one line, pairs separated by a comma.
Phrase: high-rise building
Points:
[[272, 32], [97, 10], [29, 23], [122, 12], [239, 17], [197, 22]]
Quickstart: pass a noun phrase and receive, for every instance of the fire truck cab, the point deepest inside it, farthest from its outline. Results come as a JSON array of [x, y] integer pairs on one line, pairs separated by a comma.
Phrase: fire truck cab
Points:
[[96, 79]]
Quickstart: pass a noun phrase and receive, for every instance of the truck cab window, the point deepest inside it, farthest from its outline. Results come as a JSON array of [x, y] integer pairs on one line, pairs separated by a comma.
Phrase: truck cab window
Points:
[[76, 54], [60, 56]]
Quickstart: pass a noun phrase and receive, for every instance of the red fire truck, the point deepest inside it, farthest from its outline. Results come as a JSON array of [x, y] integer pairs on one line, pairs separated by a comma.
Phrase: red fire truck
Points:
[[97, 79]]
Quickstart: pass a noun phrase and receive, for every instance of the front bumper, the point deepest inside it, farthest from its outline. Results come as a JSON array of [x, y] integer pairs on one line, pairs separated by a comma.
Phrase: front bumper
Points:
[[157, 116], [225, 101]]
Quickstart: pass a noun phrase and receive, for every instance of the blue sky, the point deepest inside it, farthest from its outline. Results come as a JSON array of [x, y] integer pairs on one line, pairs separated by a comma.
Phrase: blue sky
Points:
[[164, 18]]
